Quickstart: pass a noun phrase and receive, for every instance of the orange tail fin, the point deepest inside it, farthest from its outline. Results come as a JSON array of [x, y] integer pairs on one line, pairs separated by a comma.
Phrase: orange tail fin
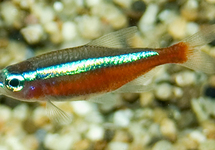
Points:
[[198, 60]]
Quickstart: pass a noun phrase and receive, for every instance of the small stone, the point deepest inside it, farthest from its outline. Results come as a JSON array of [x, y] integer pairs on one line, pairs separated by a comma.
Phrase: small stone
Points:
[[57, 141], [9, 12], [209, 129], [185, 78], [177, 28], [89, 26], [58, 6], [178, 92], [122, 136], [122, 118], [146, 99], [123, 3], [92, 3], [21, 112], [39, 11], [190, 10], [5, 114], [95, 133], [192, 28], [207, 145], [82, 108], [168, 129], [163, 91], [40, 117], [210, 1], [148, 19], [197, 136], [118, 146], [162, 145], [69, 31], [33, 33]]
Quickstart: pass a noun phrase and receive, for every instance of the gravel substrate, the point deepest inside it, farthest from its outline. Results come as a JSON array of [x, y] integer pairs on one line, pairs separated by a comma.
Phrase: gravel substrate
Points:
[[178, 114]]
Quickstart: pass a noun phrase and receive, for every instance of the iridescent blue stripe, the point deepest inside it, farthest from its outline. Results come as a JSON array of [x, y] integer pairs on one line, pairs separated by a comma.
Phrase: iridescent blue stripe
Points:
[[85, 65]]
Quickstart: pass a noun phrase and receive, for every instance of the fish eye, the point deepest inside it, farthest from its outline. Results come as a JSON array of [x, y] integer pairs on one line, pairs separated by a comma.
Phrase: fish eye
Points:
[[14, 82]]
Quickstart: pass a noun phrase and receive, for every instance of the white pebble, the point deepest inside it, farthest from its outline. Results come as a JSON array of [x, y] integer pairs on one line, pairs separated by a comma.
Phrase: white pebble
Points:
[[122, 117], [14, 143], [177, 28], [168, 129], [39, 11], [58, 6], [185, 78], [197, 136], [118, 146], [167, 16], [95, 132], [163, 91], [82, 108], [162, 145], [9, 12], [20, 112], [57, 141], [40, 116], [91, 3], [148, 19], [5, 113], [69, 31], [89, 26], [32, 34], [192, 28]]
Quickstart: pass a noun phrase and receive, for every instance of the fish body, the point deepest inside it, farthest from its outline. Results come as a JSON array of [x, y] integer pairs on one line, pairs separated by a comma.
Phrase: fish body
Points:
[[101, 66]]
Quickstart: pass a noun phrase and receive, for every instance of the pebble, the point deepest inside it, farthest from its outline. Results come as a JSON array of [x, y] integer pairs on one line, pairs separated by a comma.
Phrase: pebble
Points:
[[95, 133], [148, 19], [111, 15], [89, 27], [162, 145], [82, 108], [207, 145], [33, 33], [190, 10], [58, 6], [198, 110], [9, 13], [40, 117], [5, 114], [164, 91], [55, 35], [177, 28], [146, 99], [185, 78], [123, 3], [21, 112], [122, 118], [118, 145], [69, 31], [56, 141], [168, 129], [197, 136], [39, 11], [92, 3]]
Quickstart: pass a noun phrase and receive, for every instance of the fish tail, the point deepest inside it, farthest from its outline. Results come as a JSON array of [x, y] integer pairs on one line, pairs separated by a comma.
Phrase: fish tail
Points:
[[196, 59]]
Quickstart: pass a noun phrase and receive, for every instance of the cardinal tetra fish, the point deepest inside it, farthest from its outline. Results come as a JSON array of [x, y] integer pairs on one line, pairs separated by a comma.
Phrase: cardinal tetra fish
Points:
[[107, 64]]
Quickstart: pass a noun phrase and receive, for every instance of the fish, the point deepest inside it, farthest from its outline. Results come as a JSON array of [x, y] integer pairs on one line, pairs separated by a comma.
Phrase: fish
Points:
[[105, 65]]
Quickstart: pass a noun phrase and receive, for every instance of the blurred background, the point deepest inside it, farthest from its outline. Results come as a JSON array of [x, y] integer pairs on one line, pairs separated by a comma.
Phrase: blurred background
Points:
[[177, 114]]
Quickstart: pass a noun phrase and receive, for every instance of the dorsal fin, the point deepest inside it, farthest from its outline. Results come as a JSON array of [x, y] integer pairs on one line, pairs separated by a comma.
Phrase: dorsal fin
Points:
[[117, 39]]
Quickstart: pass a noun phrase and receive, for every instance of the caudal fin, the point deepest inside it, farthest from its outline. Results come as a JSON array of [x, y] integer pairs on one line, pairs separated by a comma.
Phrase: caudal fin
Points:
[[198, 60]]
